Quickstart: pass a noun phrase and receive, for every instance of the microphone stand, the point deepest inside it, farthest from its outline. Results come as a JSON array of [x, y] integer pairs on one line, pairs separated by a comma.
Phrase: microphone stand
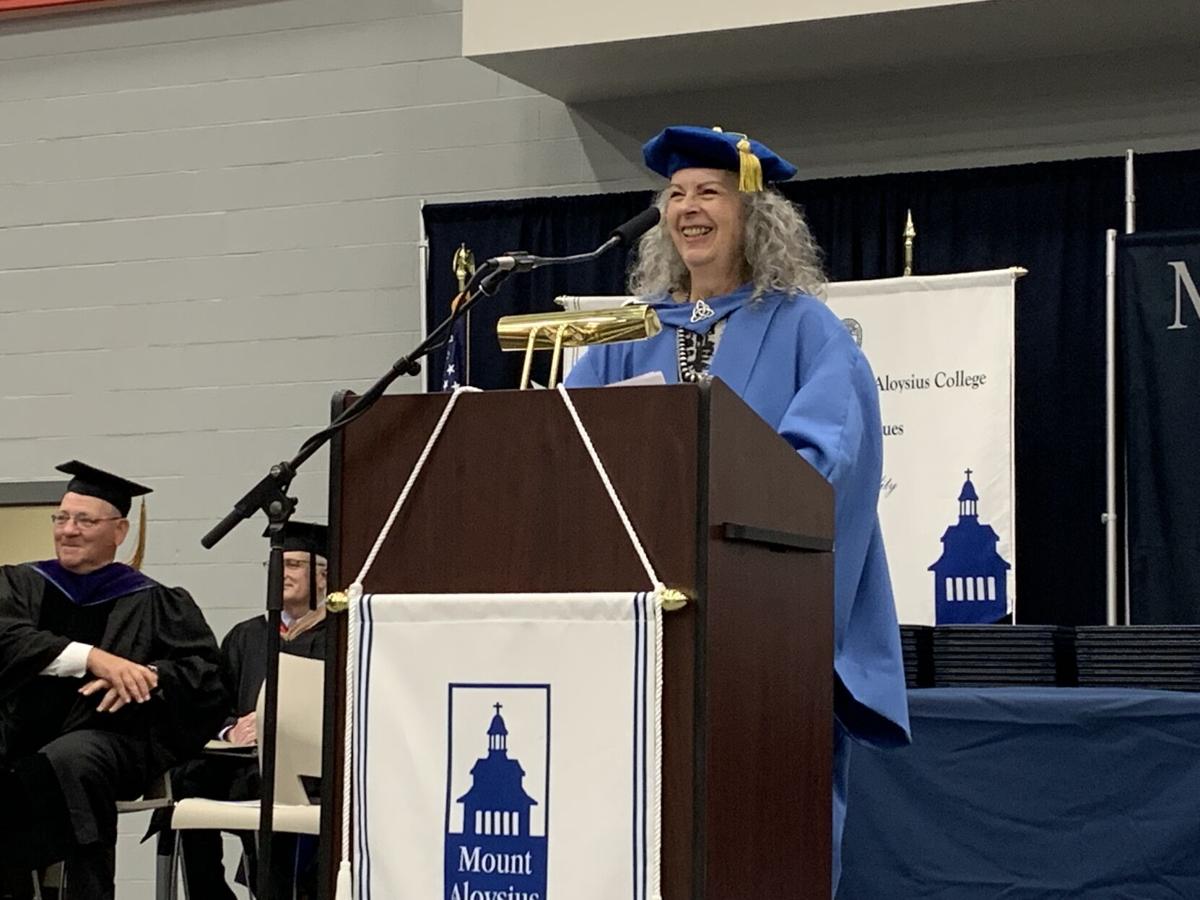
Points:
[[270, 494]]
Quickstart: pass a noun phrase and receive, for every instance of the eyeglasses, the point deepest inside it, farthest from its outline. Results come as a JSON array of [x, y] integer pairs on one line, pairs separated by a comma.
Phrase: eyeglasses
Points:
[[82, 521]]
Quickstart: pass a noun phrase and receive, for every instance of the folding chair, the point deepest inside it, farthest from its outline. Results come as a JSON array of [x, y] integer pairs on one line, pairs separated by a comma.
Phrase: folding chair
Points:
[[156, 796], [298, 755]]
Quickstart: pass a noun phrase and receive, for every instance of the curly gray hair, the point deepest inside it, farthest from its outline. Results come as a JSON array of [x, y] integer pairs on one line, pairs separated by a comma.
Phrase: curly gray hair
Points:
[[780, 253]]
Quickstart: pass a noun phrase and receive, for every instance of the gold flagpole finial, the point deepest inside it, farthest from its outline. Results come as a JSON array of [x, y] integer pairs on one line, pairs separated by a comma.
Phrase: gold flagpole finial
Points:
[[464, 271], [464, 265], [910, 233]]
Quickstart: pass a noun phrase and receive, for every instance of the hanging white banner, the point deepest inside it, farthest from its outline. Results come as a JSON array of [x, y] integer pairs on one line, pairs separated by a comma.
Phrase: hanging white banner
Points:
[[941, 348], [506, 747]]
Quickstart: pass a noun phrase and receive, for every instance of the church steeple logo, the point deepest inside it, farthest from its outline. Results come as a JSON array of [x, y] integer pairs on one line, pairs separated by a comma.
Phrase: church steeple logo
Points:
[[495, 828], [970, 578]]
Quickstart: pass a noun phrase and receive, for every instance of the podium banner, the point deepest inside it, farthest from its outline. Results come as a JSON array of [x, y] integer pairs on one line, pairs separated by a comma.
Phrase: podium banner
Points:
[[941, 348], [507, 747], [1159, 322]]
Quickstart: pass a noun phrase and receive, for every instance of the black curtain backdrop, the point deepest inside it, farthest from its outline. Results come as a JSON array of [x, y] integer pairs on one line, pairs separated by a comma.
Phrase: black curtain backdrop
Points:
[[1048, 217]]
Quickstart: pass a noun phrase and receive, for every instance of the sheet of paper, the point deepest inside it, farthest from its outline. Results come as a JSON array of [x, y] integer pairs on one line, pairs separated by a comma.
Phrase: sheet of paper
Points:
[[644, 380]]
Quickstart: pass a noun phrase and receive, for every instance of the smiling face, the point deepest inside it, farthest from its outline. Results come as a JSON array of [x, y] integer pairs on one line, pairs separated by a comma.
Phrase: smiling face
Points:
[[705, 218], [83, 548], [295, 580]]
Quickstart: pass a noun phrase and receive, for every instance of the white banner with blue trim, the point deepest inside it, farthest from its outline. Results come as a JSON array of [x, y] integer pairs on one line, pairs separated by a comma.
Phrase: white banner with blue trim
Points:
[[506, 747], [942, 349]]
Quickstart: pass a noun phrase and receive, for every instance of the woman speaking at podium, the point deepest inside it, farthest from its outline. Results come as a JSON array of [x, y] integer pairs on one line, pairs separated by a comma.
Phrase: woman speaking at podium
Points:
[[733, 273]]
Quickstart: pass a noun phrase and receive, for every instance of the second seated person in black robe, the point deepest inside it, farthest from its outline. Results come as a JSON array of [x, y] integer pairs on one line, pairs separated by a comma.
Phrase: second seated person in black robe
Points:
[[219, 776]]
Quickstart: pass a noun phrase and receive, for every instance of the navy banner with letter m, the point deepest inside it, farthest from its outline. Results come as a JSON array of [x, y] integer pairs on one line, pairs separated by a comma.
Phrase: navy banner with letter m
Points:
[[1159, 322]]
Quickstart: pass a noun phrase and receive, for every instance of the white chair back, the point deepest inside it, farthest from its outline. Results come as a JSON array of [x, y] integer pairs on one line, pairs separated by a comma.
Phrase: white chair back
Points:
[[298, 738]]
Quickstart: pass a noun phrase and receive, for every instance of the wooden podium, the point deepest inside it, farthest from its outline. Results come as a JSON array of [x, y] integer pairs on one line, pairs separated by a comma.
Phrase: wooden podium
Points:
[[728, 513]]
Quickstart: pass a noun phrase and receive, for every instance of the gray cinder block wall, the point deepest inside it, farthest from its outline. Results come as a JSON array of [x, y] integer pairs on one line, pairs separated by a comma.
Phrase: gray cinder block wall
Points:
[[209, 221]]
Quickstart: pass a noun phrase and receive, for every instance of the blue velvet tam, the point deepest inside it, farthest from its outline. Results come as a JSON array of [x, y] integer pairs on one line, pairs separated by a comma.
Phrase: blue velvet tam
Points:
[[693, 147]]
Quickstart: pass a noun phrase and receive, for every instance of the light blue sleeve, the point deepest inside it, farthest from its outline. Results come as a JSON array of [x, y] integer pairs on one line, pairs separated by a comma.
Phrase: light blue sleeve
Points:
[[825, 419], [827, 424], [833, 421]]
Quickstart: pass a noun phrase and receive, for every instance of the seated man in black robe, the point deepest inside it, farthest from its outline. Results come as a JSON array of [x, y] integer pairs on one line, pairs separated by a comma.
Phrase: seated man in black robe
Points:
[[244, 669], [107, 679]]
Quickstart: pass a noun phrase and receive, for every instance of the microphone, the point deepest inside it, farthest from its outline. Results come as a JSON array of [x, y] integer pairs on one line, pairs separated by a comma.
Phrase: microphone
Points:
[[637, 226], [622, 235]]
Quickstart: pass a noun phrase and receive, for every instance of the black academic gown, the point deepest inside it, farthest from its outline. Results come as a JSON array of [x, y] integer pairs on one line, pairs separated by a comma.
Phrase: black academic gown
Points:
[[244, 659], [101, 757]]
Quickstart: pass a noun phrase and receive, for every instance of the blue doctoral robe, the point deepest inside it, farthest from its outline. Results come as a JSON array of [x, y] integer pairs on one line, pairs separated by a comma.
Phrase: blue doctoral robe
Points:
[[794, 363]]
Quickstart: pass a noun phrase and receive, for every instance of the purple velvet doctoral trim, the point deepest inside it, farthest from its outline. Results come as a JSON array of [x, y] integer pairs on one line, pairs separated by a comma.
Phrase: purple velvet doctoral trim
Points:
[[111, 582]]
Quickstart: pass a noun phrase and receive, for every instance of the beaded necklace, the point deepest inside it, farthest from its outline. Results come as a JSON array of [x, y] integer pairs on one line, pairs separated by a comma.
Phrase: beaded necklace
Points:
[[695, 352]]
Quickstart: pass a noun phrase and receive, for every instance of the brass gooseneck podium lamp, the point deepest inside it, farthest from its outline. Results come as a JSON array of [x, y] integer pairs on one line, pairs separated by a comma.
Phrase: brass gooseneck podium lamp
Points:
[[553, 331]]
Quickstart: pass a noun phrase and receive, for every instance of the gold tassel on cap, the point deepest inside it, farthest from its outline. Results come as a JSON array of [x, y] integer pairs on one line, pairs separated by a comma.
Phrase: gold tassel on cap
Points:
[[139, 552], [750, 176]]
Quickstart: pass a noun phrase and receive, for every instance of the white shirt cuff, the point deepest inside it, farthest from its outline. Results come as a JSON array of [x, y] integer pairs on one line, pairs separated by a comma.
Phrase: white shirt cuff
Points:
[[71, 663]]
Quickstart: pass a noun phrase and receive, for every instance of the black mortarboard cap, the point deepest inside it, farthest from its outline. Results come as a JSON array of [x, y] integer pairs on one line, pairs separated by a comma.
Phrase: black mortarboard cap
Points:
[[305, 536], [93, 482]]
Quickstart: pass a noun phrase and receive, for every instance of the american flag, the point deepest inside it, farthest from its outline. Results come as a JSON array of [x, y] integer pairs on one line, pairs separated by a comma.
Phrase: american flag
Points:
[[456, 357]]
